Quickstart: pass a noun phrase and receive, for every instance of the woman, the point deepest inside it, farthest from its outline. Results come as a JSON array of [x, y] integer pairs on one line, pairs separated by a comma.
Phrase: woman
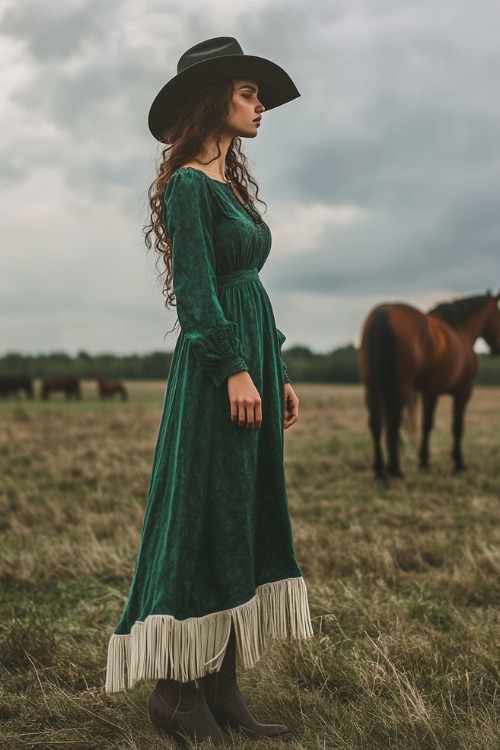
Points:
[[216, 573]]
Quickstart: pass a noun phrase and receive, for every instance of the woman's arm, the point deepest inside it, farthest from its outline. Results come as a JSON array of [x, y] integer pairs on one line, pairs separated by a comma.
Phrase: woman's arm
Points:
[[291, 400], [291, 407], [189, 216], [282, 339]]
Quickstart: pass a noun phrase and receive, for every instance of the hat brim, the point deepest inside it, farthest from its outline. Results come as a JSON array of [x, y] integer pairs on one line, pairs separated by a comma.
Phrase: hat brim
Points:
[[275, 86]]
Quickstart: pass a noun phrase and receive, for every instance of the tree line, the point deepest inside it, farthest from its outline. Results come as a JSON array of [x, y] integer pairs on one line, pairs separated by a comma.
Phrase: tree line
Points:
[[304, 365]]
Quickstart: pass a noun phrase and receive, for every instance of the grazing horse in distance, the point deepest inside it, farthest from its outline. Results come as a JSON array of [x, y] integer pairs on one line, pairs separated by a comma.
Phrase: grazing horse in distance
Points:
[[108, 388], [403, 350], [68, 384], [13, 384]]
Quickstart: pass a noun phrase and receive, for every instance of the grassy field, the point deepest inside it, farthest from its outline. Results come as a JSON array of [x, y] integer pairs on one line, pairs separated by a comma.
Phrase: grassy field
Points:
[[404, 580]]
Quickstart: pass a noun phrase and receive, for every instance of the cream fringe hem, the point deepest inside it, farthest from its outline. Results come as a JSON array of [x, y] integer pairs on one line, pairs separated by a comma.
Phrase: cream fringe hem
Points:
[[163, 647]]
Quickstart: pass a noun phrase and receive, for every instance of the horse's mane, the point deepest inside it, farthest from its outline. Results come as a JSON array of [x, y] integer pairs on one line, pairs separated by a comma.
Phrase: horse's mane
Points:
[[455, 312]]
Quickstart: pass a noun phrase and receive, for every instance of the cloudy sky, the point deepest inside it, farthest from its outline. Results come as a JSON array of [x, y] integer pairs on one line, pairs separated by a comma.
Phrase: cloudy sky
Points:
[[382, 180]]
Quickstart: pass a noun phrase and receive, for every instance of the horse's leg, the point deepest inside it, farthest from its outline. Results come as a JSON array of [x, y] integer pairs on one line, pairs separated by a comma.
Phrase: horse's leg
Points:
[[459, 404], [393, 423], [375, 424], [429, 401]]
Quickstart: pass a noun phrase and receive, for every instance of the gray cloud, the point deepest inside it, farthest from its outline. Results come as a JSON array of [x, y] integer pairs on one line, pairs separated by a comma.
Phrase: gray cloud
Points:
[[61, 29], [397, 118]]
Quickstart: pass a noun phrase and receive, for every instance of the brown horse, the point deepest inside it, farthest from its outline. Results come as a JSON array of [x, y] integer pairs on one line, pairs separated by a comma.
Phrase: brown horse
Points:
[[68, 384], [403, 350], [108, 388], [11, 385]]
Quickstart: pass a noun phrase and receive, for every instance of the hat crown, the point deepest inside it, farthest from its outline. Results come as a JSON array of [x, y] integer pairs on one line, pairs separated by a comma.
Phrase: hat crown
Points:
[[220, 46]]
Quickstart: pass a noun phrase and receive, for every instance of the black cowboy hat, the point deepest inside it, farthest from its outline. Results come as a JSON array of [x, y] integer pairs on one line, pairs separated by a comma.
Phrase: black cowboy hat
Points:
[[212, 61]]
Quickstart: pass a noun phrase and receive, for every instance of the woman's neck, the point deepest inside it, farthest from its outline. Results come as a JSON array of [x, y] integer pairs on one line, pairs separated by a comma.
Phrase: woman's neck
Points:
[[213, 158]]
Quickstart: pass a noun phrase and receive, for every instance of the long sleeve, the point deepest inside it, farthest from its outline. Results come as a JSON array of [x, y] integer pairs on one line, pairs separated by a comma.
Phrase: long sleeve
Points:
[[282, 339], [189, 217]]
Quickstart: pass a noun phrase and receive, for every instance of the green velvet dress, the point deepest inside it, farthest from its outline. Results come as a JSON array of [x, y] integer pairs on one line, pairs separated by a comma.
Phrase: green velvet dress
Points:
[[216, 549]]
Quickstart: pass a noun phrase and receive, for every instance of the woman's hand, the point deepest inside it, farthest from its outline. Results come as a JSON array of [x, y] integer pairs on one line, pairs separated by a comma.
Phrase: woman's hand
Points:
[[246, 404], [291, 407]]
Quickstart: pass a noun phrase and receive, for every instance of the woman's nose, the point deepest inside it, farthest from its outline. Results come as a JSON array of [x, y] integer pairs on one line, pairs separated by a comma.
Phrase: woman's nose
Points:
[[260, 108]]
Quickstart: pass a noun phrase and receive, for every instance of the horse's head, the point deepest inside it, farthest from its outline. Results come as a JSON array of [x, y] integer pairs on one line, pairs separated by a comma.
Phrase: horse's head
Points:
[[491, 329]]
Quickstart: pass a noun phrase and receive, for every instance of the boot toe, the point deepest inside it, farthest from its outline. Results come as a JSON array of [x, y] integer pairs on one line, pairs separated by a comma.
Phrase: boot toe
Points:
[[267, 730]]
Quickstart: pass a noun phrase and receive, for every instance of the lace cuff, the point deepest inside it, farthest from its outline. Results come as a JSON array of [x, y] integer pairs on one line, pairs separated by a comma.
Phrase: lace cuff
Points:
[[281, 340], [219, 352], [229, 367]]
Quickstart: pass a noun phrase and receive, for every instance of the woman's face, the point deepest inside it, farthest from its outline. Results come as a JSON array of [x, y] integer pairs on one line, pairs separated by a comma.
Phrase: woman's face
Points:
[[246, 110]]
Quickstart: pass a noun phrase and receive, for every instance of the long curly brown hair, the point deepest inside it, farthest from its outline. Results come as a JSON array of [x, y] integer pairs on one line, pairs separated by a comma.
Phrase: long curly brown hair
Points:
[[199, 120]]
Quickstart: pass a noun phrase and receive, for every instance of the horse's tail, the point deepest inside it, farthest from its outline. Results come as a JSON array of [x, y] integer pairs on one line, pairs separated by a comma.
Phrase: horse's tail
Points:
[[410, 423], [381, 361]]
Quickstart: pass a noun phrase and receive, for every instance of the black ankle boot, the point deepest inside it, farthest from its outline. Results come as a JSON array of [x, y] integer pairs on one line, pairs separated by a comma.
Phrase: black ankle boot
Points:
[[180, 710], [227, 703]]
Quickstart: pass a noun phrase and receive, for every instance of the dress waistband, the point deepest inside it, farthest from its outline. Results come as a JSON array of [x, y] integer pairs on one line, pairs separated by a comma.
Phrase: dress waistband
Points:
[[237, 277]]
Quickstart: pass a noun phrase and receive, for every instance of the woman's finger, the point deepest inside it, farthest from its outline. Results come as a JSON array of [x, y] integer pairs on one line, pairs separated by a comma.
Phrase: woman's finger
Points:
[[242, 414], [249, 408], [258, 416], [234, 411]]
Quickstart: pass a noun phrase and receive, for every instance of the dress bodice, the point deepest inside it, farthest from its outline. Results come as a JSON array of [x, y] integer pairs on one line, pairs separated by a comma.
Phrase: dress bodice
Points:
[[241, 238]]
